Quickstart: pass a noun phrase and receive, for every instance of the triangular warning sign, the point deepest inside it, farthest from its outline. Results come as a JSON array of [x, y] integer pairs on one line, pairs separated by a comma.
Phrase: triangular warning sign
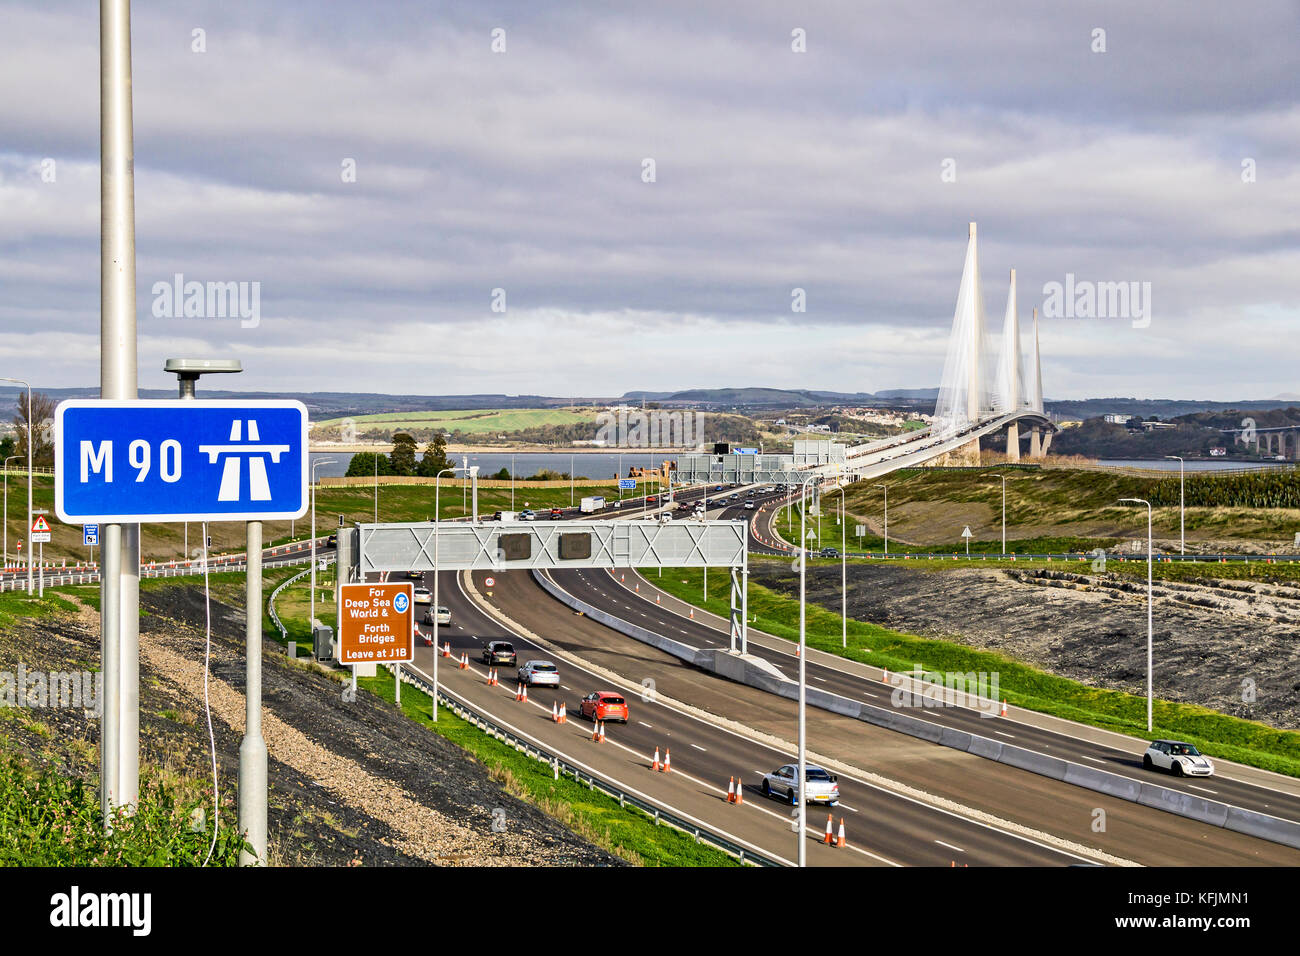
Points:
[[39, 525]]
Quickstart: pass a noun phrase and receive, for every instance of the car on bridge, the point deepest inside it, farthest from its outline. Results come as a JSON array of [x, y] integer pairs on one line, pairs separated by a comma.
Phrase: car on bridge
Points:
[[823, 787], [539, 673], [500, 652], [1178, 757], [604, 705], [415, 575]]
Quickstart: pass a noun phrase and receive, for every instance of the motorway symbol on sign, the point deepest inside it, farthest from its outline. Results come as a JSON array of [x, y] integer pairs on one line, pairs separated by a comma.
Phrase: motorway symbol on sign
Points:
[[146, 461], [378, 623], [90, 535]]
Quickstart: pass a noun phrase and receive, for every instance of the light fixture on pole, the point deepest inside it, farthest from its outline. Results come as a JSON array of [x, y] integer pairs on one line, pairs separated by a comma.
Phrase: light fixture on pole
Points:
[[802, 771], [1182, 507], [31, 425], [6, 533], [437, 520], [1141, 501], [886, 487], [311, 621]]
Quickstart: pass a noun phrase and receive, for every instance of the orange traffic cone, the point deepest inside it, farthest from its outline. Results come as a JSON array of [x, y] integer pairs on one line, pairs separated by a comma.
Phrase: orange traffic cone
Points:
[[555, 712], [740, 790], [446, 649], [595, 731], [564, 714], [657, 601], [519, 692], [489, 677], [655, 765], [464, 661], [692, 614], [840, 839], [828, 839], [1004, 706], [601, 725], [668, 757], [731, 789]]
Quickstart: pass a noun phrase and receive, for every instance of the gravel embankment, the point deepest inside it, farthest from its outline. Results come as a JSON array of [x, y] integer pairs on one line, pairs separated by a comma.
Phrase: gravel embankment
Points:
[[1209, 636]]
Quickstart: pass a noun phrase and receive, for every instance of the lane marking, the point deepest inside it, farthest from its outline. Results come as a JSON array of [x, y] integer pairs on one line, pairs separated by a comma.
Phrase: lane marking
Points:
[[1093, 759], [699, 748], [1202, 789], [643, 723], [950, 846], [1001, 734]]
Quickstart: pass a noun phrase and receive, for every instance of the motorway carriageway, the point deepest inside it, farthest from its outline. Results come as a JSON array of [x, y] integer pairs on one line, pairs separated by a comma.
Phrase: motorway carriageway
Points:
[[1246, 787], [883, 828]]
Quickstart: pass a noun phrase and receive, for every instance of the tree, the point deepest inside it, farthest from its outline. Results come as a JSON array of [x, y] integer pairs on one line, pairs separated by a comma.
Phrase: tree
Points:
[[503, 474], [7, 446], [363, 465], [434, 459], [403, 457], [41, 422]]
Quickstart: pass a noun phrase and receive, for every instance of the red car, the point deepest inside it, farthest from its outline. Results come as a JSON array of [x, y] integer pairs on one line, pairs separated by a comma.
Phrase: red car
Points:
[[604, 705]]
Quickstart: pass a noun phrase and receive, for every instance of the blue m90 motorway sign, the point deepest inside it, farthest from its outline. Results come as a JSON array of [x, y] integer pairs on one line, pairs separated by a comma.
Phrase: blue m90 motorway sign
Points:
[[154, 461]]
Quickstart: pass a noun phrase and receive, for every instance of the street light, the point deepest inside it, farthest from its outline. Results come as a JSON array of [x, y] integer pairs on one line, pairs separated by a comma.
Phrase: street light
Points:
[[1004, 514], [437, 520], [803, 680], [30, 425], [311, 621], [886, 487], [1182, 507], [1140, 501], [6, 470]]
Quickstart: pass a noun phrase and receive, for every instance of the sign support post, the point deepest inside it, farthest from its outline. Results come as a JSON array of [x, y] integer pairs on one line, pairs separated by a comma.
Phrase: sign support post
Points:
[[252, 750]]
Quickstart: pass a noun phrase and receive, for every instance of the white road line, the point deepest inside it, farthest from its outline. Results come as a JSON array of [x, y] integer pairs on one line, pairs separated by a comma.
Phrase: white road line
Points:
[[1093, 759], [822, 679], [1202, 789], [950, 846], [845, 806], [699, 748], [1001, 734], [643, 723]]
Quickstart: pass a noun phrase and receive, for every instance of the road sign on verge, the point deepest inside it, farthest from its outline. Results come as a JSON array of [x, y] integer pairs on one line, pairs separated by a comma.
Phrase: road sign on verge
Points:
[[145, 461], [377, 624], [40, 530], [490, 582], [628, 484], [90, 535]]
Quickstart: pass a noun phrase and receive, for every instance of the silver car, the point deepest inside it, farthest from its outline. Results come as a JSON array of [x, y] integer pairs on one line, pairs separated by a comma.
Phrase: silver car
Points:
[[443, 616], [823, 787], [539, 674], [1180, 758]]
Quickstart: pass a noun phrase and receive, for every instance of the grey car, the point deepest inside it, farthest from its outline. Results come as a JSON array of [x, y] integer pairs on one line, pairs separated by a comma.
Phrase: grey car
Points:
[[823, 787], [539, 674]]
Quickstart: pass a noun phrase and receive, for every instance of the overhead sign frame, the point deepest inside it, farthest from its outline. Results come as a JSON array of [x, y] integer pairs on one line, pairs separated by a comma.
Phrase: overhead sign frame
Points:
[[191, 451]]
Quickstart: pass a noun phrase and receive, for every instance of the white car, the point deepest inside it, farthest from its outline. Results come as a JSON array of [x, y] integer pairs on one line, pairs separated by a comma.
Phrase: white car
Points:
[[749, 506], [443, 616], [539, 673], [1180, 758], [423, 596], [823, 787]]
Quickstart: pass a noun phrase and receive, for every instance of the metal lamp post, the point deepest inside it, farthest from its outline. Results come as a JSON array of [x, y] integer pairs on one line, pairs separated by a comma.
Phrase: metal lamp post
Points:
[[1004, 514], [6, 532], [1182, 507], [886, 487], [324, 461], [1141, 501], [437, 520], [30, 427], [802, 770]]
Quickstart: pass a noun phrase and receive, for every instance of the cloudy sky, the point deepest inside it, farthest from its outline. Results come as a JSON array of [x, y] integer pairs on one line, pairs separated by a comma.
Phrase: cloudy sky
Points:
[[1164, 150]]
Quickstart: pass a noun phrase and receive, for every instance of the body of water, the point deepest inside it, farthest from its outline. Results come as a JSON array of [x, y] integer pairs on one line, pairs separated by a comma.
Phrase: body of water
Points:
[[526, 464]]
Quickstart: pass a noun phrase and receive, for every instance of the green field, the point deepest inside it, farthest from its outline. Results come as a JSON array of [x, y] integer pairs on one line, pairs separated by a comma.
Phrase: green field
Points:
[[484, 421]]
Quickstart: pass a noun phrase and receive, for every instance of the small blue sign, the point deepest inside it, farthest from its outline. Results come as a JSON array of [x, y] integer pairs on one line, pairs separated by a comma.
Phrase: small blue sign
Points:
[[627, 483], [401, 602], [154, 461], [90, 535]]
